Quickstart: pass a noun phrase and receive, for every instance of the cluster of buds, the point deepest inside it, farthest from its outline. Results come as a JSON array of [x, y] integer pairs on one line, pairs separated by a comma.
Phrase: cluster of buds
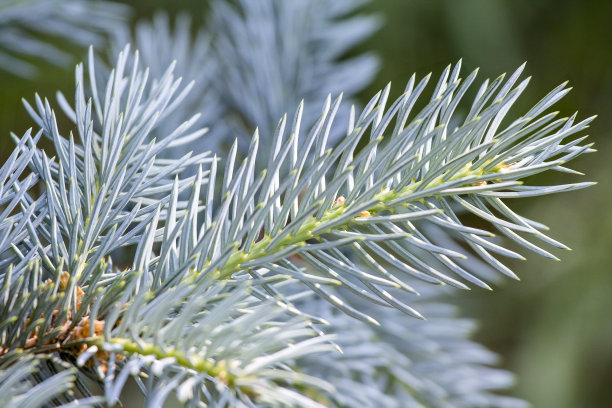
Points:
[[82, 330]]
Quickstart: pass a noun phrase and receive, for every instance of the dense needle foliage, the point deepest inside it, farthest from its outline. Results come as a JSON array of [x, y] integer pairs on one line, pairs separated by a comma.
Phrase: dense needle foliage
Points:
[[284, 269]]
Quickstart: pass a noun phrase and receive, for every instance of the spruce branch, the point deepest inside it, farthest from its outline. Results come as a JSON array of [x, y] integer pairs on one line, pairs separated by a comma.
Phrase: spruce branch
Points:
[[407, 362], [162, 42], [103, 189], [186, 337], [67, 299], [30, 30], [315, 202], [190, 336], [272, 54], [233, 62], [17, 390], [14, 215], [215, 300]]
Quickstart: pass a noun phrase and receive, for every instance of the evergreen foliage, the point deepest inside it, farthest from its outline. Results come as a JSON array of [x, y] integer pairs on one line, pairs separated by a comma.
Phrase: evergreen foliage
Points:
[[34, 30], [282, 273]]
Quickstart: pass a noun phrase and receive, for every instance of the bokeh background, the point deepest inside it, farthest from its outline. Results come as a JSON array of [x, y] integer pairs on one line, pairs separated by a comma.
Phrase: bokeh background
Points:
[[554, 327]]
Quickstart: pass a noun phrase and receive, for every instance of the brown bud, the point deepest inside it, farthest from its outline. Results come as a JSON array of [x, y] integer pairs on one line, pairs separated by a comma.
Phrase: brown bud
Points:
[[339, 201]]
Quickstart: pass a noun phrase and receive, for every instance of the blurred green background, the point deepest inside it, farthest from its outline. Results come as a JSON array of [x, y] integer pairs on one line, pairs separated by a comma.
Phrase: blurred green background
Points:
[[553, 329]]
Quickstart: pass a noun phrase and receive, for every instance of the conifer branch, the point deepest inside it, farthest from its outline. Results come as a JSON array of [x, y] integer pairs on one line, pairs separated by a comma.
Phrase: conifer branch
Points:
[[29, 30], [420, 171], [219, 279]]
